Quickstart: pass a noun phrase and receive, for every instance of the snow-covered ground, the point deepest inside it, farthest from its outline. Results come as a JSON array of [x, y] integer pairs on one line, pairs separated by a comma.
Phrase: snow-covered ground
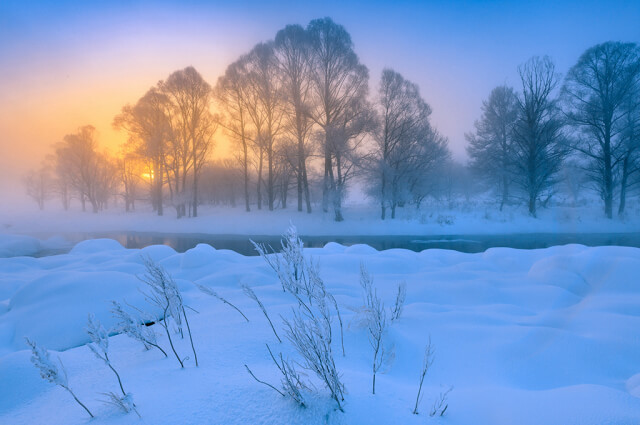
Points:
[[463, 218], [524, 336]]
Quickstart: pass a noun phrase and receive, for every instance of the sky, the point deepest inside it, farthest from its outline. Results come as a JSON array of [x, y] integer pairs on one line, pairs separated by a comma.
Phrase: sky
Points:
[[64, 64]]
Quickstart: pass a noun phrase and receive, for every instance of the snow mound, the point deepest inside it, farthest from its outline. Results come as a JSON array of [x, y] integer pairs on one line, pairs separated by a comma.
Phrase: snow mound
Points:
[[93, 246], [18, 245]]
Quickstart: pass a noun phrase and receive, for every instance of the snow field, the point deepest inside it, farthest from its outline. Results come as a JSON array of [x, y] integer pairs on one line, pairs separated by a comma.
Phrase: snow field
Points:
[[528, 337]]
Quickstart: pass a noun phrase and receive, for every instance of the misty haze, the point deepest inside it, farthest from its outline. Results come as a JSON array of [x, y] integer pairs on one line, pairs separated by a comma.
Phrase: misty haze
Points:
[[320, 213]]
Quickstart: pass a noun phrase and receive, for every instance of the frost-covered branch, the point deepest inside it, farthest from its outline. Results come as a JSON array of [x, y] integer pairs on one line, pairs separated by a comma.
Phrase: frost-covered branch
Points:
[[214, 294], [376, 321], [163, 292], [262, 382], [440, 405], [291, 382], [426, 364], [249, 293], [396, 311], [133, 326], [49, 370]]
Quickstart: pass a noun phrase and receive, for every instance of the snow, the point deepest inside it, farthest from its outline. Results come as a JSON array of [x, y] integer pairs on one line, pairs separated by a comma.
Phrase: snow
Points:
[[466, 218], [524, 336]]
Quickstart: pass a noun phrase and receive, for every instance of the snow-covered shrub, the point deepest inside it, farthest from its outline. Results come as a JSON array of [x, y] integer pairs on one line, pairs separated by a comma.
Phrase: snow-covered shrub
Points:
[[427, 361], [291, 382], [49, 370], [311, 337], [376, 321], [299, 276], [124, 403], [163, 292], [309, 330], [99, 345], [398, 306], [133, 325]]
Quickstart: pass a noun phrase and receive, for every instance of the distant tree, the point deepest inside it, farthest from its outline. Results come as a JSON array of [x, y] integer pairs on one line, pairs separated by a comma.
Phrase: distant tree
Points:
[[130, 173], [232, 97], [406, 145], [39, 184], [194, 124], [491, 146], [630, 152], [293, 53], [266, 110], [148, 123], [339, 84], [597, 93], [539, 145], [91, 174]]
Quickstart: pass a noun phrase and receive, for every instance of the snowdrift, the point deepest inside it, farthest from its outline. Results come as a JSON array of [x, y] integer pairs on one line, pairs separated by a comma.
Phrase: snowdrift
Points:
[[528, 337]]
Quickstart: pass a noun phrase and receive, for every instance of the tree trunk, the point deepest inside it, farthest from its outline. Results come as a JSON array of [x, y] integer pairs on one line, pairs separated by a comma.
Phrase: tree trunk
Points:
[[327, 183], [260, 180], [623, 185]]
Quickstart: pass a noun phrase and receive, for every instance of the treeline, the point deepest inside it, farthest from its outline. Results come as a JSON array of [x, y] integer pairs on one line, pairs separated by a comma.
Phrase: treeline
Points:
[[589, 123], [303, 126]]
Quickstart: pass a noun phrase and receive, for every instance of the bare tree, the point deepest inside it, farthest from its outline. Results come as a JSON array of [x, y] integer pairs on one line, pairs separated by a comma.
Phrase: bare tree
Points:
[[406, 146], [266, 109], [539, 145], [90, 173], [231, 94], [596, 93], [194, 123], [149, 126], [630, 153], [293, 49], [491, 146], [339, 84], [39, 184]]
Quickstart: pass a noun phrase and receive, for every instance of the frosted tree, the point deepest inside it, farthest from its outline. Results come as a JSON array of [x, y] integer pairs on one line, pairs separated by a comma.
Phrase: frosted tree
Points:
[[39, 184], [194, 123], [293, 54], [49, 370], [539, 145], [265, 109], [99, 345], [231, 93], [407, 148], [339, 88], [148, 124], [598, 91], [491, 145]]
